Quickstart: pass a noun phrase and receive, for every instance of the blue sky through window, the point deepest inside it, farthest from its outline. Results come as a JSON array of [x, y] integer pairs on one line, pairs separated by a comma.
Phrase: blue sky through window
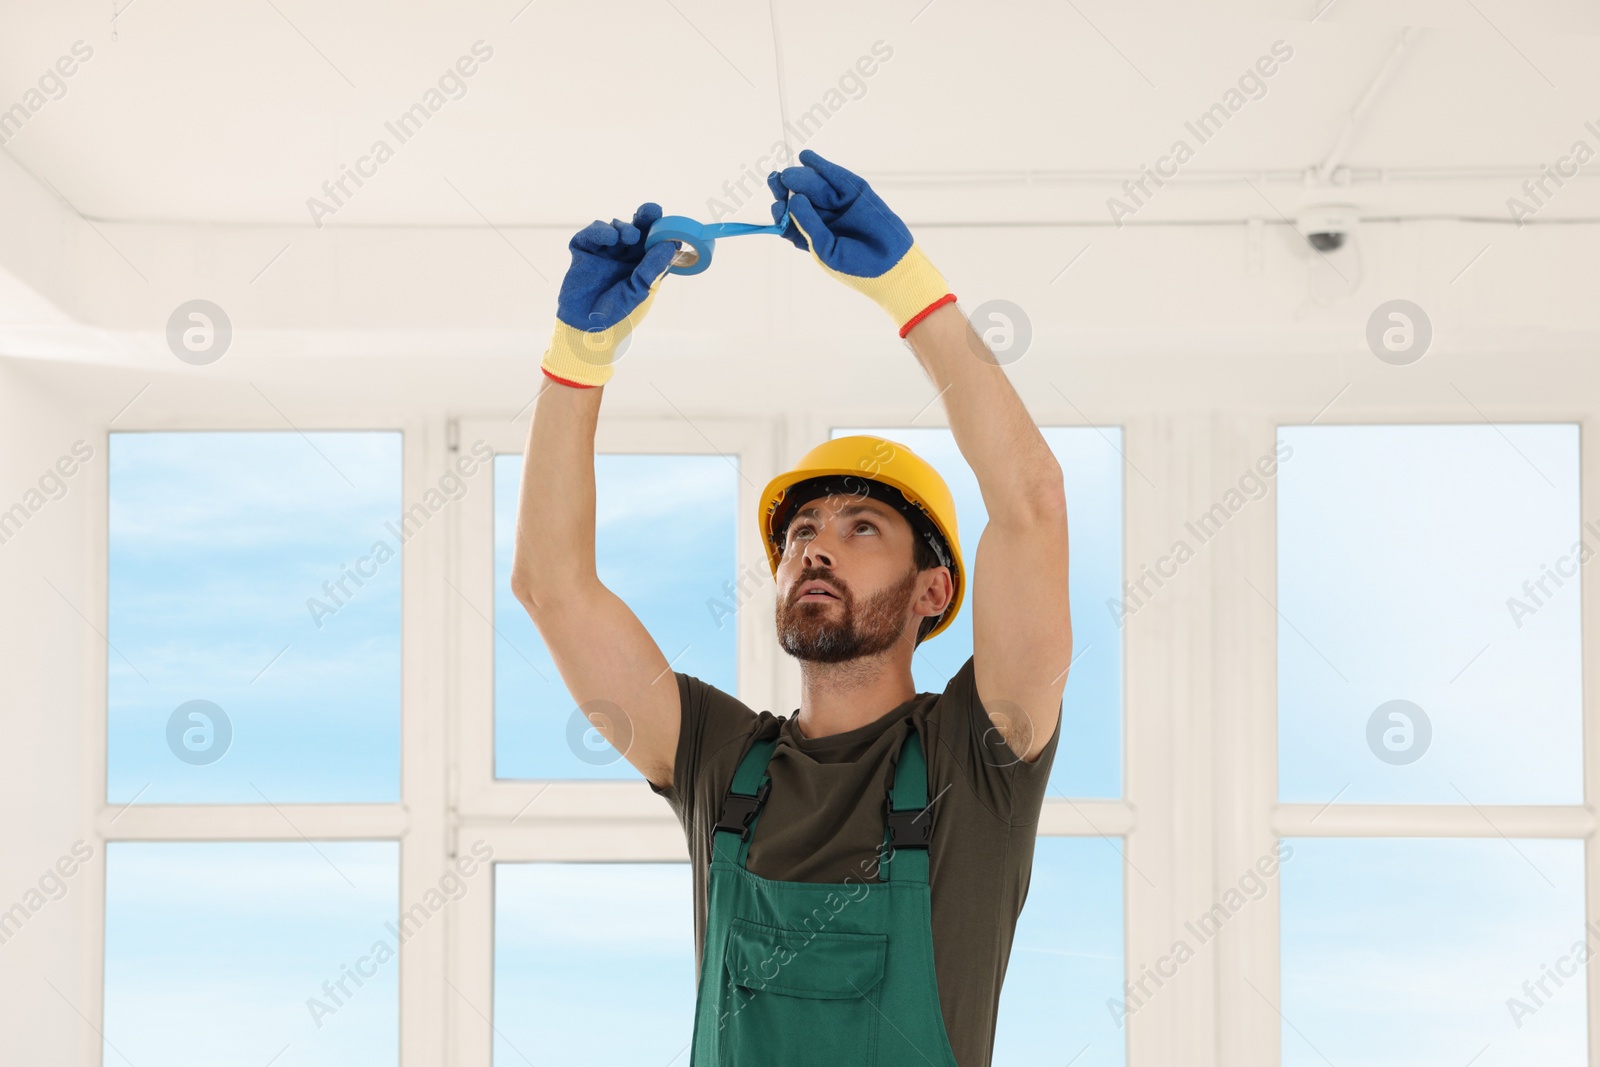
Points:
[[593, 963], [1402, 951], [221, 547], [1400, 551], [1066, 960], [217, 951]]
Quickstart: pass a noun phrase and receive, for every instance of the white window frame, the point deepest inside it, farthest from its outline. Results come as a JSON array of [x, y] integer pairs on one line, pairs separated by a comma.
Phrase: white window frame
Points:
[[1199, 721], [416, 821], [1245, 719]]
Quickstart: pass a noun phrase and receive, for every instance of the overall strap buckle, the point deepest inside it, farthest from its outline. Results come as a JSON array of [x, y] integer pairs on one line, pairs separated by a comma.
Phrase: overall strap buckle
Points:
[[739, 809], [911, 825], [908, 829]]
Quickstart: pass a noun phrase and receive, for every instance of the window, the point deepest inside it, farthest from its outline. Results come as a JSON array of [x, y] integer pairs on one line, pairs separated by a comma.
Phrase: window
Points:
[[245, 951], [1430, 897], [1410, 950], [1428, 629], [253, 617], [1428, 634], [253, 658], [593, 963], [1067, 961]]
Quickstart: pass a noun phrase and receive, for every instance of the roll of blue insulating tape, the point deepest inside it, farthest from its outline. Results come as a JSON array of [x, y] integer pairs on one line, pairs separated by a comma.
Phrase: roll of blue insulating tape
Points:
[[700, 238], [695, 256]]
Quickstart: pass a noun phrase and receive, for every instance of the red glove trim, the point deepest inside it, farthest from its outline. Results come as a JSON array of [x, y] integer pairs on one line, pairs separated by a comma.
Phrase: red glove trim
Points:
[[563, 381], [948, 298]]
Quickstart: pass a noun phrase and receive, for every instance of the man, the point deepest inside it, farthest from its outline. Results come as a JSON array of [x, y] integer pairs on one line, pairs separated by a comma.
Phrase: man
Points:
[[859, 865]]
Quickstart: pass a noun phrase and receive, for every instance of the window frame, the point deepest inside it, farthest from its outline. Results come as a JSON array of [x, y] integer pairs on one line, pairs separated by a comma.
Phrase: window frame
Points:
[[1250, 1026], [1199, 727], [410, 822]]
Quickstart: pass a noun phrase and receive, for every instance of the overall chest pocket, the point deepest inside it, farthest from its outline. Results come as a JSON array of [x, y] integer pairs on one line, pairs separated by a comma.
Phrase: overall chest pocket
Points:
[[796, 999]]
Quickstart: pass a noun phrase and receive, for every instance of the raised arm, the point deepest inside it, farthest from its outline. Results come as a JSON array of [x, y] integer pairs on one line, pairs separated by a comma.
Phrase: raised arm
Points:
[[608, 660], [1021, 621]]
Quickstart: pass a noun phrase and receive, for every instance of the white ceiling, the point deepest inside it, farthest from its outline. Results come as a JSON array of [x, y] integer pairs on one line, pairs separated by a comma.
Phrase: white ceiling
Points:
[[238, 112], [180, 160]]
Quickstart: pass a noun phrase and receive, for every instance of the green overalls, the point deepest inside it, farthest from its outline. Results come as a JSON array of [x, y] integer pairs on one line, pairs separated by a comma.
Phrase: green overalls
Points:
[[821, 974]]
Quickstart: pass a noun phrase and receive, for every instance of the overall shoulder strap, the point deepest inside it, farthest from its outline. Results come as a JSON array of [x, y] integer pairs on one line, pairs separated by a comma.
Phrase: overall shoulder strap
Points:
[[908, 819], [730, 835]]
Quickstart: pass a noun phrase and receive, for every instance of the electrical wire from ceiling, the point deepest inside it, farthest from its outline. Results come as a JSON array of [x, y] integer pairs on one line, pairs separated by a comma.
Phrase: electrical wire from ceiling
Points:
[[778, 76]]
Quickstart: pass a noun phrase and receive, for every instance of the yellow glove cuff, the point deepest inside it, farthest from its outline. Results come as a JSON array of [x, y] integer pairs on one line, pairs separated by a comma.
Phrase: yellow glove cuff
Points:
[[584, 357], [907, 291]]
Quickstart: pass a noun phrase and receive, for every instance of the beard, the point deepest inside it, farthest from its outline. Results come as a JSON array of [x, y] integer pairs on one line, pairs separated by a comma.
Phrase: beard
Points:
[[813, 631]]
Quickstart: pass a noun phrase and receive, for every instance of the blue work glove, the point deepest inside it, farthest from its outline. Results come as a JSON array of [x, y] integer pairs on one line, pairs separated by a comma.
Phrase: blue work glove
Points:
[[606, 292], [846, 226]]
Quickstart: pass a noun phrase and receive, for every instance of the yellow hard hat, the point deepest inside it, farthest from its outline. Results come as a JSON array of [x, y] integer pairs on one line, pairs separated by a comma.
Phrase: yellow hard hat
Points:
[[866, 465]]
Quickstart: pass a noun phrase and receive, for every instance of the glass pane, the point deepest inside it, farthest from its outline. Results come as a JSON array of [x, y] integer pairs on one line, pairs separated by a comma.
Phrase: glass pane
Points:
[[253, 614], [593, 963], [1419, 659], [1091, 461], [1406, 951], [665, 529], [251, 952], [1066, 969]]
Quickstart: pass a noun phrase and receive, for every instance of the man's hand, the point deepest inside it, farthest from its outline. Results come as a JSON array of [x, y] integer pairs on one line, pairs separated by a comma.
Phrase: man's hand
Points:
[[840, 220], [606, 292]]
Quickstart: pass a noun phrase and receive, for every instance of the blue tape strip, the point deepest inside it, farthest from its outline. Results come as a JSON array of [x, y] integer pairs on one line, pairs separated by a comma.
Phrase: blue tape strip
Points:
[[702, 237]]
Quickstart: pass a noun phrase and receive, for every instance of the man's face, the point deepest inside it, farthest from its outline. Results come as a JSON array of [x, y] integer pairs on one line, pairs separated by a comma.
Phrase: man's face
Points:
[[861, 549]]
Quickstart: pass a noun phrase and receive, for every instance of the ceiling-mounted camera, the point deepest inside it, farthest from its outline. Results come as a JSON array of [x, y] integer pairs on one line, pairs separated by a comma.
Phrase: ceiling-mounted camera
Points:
[[1326, 226]]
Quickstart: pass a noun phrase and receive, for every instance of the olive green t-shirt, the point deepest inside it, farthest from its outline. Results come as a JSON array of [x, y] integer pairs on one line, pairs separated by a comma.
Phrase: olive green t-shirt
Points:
[[823, 822]]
